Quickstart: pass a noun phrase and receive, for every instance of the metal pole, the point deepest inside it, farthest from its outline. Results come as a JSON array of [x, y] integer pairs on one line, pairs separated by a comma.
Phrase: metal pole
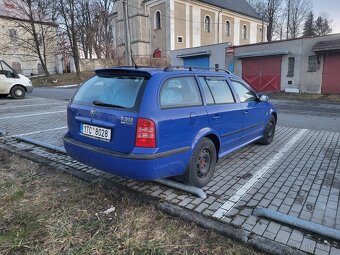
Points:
[[262, 29], [127, 34], [288, 20]]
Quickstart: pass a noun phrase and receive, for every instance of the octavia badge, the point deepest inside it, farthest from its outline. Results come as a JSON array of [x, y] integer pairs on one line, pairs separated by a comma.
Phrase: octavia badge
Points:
[[93, 112]]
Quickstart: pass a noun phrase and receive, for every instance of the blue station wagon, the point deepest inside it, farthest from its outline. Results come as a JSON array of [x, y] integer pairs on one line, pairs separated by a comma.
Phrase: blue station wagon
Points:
[[150, 123]]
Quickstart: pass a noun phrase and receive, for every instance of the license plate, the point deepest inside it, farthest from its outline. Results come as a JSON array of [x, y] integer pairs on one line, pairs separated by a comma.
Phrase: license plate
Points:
[[96, 132]]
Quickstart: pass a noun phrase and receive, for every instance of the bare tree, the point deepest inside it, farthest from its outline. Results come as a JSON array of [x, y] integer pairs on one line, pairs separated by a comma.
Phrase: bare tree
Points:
[[94, 24], [268, 10], [68, 10], [273, 8], [35, 31], [297, 12]]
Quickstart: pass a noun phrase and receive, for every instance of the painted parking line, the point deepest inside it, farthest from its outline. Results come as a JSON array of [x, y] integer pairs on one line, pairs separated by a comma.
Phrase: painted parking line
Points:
[[29, 105], [239, 194], [25, 99], [29, 115], [35, 132], [67, 86]]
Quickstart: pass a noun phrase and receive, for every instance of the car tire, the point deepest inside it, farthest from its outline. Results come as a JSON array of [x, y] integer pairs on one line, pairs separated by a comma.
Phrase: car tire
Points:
[[18, 92], [202, 163], [269, 132]]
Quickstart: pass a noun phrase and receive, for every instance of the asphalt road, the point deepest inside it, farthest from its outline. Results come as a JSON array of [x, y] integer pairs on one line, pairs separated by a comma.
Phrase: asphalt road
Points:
[[54, 93], [298, 114]]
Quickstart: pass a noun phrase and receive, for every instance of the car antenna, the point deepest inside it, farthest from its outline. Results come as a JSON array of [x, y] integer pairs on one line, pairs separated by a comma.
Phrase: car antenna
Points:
[[134, 63]]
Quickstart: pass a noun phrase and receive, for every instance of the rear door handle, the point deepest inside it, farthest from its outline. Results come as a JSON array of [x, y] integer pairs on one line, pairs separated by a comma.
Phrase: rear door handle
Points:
[[216, 117]]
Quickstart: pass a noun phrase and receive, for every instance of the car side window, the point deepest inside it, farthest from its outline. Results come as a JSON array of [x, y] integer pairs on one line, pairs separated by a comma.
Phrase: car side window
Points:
[[245, 94], [206, 91], [180, 92], [216, 90]]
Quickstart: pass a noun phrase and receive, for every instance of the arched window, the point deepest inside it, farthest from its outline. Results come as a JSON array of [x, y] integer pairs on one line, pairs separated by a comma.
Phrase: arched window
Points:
[[244, 32], [207, 24], [157, 20], [227, 28]]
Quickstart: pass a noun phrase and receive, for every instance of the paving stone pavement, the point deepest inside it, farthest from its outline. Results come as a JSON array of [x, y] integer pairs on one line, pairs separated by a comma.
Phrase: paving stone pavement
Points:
[[304, 182]]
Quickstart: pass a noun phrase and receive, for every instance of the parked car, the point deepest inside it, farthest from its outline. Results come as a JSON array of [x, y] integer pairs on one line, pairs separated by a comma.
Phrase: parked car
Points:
[[149, 124], [11, 83]]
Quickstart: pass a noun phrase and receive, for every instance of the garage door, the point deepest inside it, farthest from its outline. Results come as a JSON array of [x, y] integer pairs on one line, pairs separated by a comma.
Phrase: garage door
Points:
[[197, 61], [263, 73], [331, 74]]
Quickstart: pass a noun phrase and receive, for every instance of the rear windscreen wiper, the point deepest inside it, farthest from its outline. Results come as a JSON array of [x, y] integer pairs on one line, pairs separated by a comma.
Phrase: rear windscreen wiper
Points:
[[99, 103]]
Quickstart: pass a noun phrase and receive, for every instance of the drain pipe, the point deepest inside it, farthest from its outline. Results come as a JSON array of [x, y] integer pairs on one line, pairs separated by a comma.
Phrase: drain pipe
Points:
[[43, 144], [177, 185], [296, 222]]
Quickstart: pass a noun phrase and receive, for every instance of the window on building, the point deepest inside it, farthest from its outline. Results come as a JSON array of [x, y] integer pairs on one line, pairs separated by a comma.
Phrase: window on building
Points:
[[179, 39], [16, 66], [227, 28], [207, 24], [312, 63], [291, 66], [13, 35], [244, 32], [157, 20]]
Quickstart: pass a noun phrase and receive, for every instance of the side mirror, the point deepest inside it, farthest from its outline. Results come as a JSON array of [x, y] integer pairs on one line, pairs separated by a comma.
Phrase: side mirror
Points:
[[263, 98]]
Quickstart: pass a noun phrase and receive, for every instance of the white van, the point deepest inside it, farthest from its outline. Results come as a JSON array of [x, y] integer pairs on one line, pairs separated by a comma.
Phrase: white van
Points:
[[12, 83]]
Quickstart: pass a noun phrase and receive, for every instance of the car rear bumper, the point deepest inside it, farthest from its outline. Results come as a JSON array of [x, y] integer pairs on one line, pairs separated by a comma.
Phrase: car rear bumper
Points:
[[134, 166]]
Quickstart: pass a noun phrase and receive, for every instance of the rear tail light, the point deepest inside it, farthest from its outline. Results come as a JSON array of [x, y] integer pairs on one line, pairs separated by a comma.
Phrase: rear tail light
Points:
[[145, 133]]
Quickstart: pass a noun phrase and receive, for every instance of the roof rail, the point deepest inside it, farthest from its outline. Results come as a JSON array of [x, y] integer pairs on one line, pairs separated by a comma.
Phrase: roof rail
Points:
[[195, 68]]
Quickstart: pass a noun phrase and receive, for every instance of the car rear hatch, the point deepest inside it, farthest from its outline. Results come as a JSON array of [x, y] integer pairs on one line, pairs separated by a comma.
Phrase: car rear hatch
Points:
[[105, 109]]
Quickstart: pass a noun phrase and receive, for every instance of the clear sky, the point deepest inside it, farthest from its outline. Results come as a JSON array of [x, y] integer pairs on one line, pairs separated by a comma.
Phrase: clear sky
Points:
[[332, 8]]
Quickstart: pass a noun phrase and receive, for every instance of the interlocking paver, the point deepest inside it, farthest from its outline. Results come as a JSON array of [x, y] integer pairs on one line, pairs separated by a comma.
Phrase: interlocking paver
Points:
[[304, 183], [282, 236]]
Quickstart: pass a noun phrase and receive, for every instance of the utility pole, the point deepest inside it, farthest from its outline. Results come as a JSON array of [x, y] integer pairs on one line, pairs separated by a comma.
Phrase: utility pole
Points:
[[127, 34], [262, 40], [288, 19]]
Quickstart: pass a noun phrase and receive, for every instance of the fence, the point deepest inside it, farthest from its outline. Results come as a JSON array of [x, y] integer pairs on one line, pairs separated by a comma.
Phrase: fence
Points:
[[35, 71], [141, 60]]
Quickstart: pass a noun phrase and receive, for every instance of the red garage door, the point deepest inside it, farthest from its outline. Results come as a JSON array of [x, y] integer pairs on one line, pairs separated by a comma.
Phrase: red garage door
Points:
[[331, 74], [263, 73]]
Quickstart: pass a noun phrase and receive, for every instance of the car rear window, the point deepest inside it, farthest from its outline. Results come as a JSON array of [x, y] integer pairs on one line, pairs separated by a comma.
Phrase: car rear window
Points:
[[114, 90]]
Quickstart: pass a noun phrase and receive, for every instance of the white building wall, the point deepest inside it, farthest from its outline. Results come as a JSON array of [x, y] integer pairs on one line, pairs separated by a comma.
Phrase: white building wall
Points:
[[187, 25], [196, 16], [172, 25], [236, 31], [253, 32]]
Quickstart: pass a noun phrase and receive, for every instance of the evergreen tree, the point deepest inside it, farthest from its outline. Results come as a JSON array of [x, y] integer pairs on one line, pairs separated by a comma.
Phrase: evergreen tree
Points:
[[309, 27], [322, 26]]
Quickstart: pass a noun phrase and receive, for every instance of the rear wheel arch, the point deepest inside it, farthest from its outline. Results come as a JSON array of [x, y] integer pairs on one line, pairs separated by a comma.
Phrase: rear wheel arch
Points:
[[216, 142]]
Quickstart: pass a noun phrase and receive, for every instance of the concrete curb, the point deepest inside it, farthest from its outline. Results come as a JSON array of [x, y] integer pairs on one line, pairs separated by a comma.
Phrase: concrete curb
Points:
[[258, 242]]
